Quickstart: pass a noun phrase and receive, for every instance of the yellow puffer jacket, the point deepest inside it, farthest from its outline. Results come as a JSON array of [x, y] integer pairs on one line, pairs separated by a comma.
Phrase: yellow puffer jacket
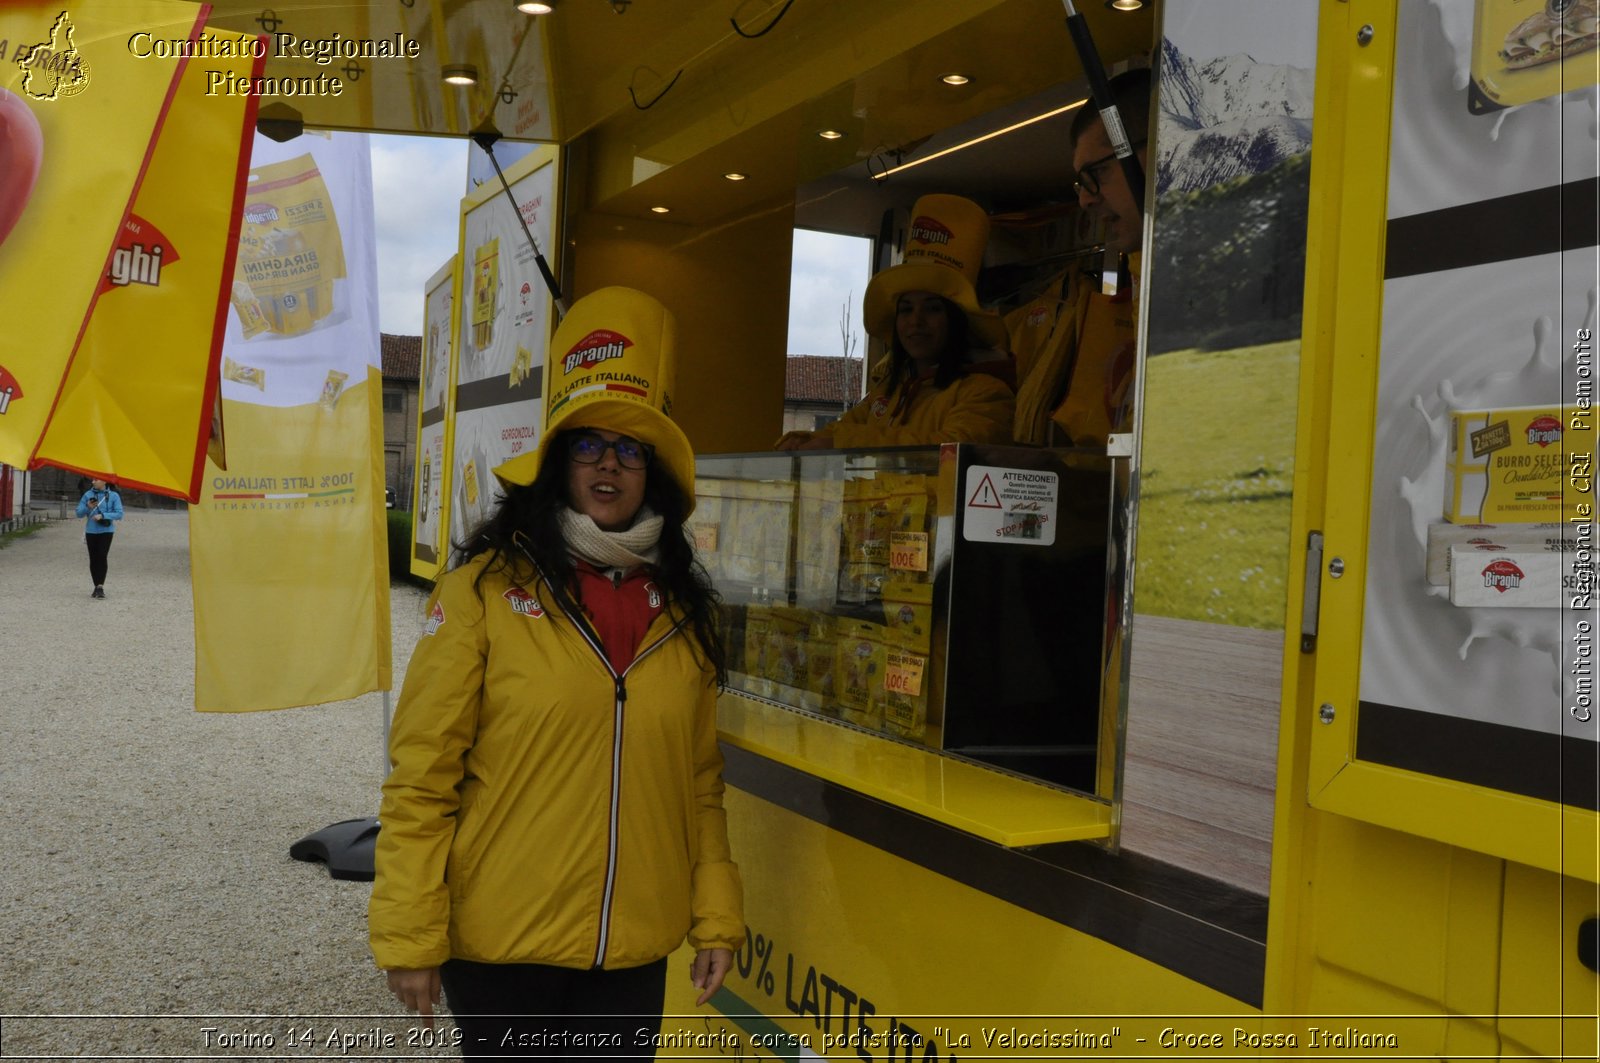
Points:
[[977, 407], [539, 809]]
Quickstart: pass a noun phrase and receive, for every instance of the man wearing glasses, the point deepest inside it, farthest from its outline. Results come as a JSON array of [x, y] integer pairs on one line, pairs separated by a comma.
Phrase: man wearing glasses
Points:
[[1101, 185], [1075, 344]]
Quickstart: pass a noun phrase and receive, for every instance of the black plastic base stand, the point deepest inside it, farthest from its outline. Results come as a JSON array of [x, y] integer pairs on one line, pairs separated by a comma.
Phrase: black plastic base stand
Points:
[[346, 847]]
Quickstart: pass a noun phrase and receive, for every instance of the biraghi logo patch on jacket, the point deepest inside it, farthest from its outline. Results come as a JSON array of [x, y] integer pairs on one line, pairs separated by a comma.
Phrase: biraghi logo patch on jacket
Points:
[[435, 619], [523, 603]]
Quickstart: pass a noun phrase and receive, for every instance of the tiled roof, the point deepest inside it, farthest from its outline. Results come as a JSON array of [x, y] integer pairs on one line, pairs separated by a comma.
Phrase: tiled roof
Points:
[[822, 378], [402, 357]]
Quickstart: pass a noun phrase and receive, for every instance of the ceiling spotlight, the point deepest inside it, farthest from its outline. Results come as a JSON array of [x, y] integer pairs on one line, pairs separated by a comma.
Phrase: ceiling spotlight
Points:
[[829, 134], [1124, 5], [660, 210], [535, 7], [461, 74], [735, 176], [955, 79]]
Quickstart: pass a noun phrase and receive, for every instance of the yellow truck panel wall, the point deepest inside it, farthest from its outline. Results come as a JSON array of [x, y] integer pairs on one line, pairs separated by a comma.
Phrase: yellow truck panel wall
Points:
[[846, 938], [1549, 1001], [1429, 914]]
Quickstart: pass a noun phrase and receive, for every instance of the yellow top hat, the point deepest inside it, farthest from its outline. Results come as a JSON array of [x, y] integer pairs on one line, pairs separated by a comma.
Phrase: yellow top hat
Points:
[[944, 251], [613, 363]]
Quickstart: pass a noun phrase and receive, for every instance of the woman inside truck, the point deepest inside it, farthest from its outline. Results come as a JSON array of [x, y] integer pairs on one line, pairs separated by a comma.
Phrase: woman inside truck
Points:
[[949, 378]]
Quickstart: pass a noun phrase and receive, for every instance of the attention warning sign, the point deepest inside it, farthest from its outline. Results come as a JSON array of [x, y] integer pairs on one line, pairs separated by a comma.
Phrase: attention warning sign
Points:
[[1010, 506]]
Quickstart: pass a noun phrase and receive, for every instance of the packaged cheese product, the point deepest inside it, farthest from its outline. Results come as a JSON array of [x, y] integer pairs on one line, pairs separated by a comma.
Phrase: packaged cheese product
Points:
[[820, 658], [757, 639], [244, 374], [332, 388], [290, 250], [1510, 465], [787, 651], [485, 289], [1517, 577], [908, 543], [908, 613], [1441, 537], [521, 366], [858, 679]]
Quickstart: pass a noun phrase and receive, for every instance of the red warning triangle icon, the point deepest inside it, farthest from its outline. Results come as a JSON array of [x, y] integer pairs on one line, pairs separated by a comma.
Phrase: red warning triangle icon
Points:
[[985, 497]]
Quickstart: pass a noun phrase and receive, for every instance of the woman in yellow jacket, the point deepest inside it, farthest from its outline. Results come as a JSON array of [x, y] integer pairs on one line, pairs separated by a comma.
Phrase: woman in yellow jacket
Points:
[[552, 823], [950, 378]]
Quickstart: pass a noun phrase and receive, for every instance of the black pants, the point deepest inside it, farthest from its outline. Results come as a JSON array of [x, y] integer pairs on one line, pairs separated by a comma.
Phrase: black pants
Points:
[[99, 546], [531, 1010]]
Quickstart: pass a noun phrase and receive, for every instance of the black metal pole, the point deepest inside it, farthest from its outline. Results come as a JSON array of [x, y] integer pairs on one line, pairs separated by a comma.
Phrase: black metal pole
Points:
[[1100, 89], [486, 142]]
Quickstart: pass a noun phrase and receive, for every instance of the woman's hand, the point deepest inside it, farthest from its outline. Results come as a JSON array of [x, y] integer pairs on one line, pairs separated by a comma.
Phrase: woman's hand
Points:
[[818, 441], [792, 441], [419, 989], [709, 968]]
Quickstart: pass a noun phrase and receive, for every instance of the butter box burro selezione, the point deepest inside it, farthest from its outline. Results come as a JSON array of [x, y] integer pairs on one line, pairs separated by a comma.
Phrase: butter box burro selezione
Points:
[[1510, 465]]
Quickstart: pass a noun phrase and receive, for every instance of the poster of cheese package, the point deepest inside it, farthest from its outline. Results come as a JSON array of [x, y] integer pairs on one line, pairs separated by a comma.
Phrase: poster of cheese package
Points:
[[1518, 577], [859, 665], [1526, 50], [1510, 465], [1442, 536]]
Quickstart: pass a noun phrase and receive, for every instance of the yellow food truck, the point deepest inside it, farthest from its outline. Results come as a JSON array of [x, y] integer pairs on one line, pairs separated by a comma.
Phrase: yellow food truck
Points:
[[1264, 727]]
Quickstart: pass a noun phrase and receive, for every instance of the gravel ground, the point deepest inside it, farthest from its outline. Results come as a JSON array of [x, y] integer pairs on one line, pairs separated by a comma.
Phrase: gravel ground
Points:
[[149, 902]]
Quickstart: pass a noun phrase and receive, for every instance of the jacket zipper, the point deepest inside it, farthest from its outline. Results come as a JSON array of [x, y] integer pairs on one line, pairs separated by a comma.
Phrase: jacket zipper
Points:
[[620, 699]]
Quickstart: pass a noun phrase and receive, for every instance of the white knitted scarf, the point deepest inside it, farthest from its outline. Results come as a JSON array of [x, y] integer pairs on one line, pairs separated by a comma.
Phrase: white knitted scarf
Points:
[[638, 545]]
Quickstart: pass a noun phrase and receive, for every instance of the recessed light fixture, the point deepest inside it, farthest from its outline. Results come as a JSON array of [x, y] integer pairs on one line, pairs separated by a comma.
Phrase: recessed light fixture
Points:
[[461, 74], [660, 210], [535, 7], [735, 176], [955, 79], [1124, 5], [829, 134]]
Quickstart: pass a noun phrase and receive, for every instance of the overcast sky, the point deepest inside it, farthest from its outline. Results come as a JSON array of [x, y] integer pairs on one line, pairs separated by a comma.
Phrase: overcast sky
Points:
[[1213, 29], [417, 185]]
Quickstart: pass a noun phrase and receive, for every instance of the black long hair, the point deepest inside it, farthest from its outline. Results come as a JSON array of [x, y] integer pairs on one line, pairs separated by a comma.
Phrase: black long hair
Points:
[[523, 538], [951, 359]]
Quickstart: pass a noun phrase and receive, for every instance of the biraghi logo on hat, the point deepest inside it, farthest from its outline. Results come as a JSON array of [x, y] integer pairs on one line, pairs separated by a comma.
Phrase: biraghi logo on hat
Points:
[[601, 345], [926, 230]]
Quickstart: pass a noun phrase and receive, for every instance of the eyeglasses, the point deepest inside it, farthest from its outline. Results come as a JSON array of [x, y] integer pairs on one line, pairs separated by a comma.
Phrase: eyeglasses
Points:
[[1086, 181], [587, 448]]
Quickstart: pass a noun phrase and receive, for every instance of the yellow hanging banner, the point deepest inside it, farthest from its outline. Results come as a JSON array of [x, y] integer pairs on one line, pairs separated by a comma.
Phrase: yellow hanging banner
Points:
[[79, 112], [137, 400], [288, 544]]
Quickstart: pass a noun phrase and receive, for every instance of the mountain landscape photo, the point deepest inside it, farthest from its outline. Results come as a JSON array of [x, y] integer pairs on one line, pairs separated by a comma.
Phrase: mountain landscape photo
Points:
[[1231, 199], [1197, 149]]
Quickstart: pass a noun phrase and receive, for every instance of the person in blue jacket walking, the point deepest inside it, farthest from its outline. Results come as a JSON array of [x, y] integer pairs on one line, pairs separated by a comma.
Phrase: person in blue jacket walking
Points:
[[102, 507]]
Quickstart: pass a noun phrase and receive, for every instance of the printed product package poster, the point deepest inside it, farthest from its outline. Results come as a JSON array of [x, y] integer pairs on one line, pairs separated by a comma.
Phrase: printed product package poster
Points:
[[79, 114], [288, 544], [1525, 50], [502, 333], [1479, 613], [430, 519]]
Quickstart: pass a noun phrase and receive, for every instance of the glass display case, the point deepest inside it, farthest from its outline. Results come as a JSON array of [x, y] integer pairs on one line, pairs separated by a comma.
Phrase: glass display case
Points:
[[954, 598]]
